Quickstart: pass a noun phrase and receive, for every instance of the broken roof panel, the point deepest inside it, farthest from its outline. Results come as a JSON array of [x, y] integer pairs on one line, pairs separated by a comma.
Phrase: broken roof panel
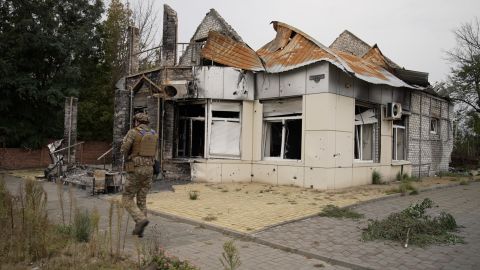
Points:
[[291, 49], [226, 51]]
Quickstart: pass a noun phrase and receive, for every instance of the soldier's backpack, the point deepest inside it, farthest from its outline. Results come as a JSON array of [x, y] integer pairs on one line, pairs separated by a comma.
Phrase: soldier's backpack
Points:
[[145, 143]]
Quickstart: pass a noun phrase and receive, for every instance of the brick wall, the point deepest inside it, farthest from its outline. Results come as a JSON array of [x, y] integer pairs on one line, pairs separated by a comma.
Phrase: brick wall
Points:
[[19, 158], [429, 153]]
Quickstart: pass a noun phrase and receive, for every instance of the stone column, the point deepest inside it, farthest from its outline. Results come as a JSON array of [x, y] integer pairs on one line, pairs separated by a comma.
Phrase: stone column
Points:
[[169, 39], [133, 49], [121, 121]]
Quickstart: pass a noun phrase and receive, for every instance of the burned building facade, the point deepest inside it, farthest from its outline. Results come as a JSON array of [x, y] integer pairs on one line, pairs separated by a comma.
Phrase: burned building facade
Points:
[[294, 112]]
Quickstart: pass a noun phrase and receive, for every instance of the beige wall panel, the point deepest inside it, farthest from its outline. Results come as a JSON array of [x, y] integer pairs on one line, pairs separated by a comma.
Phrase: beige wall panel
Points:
[[386, 150], [288, 175], [247, 131], [199, 172], [319, 178], [257, 130], [344, 113], [386, 127], [214, 172], [393, 172], [361, 176], [320, 148], [343, 177], [320, 111], [386, 172], [236, 173], [265, 173], [343, 149]]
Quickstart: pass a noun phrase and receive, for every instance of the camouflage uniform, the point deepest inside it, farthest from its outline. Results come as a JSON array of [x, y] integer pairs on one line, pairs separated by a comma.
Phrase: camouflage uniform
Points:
[[140, 179]]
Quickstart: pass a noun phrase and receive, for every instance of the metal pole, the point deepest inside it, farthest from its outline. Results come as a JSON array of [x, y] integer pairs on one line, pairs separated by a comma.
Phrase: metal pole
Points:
[[69, 129]]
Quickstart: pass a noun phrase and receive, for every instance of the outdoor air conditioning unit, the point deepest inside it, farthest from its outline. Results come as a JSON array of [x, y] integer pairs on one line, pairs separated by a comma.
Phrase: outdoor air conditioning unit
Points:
[[394, 111], [176, 89]]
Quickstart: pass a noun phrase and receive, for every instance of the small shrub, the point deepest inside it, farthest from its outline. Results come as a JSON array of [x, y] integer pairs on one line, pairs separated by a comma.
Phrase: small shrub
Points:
[[415, 226], [464, 182], [193, 195], [82, 226], [163, 262], [402, 176], [230, 258], [337, 212], [376, 178]]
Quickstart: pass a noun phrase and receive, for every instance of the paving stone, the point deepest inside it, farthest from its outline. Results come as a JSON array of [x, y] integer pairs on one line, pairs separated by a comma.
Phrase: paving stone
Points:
[[341, 239]]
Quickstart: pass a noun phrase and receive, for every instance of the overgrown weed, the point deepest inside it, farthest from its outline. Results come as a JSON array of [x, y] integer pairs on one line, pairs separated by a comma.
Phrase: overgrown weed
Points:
[[337, 212]]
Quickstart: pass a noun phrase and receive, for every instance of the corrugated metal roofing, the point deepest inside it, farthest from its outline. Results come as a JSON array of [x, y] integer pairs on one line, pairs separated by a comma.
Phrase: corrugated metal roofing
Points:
[[226, 51], [291, 48]]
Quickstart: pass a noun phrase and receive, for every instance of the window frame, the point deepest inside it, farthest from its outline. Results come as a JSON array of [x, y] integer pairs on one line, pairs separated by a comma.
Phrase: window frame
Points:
[[361, 125], [277, 119], [191, 119], [394, 142], [224, 119], [434, 125]]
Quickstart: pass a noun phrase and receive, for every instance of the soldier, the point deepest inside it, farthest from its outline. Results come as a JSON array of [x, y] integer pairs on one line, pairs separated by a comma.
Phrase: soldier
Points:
[[138, 147]]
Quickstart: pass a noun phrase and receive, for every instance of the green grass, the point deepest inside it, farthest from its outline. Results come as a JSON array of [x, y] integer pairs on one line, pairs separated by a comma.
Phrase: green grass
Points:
[[376, 178], [464, 182], [337, 212], [414, 226], [404, 188]]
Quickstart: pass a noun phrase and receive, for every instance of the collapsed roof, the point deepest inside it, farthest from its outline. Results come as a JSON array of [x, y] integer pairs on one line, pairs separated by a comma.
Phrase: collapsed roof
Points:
[[291, 48]]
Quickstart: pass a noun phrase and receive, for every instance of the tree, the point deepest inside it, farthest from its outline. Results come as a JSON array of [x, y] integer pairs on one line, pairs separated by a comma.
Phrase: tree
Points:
[[48, 50], [95, 117], [464, 82]]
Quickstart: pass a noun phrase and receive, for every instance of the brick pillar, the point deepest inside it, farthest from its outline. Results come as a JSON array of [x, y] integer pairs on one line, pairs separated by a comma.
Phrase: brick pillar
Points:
[[169, 39], [121, 121], [70, 129], [133, 49]]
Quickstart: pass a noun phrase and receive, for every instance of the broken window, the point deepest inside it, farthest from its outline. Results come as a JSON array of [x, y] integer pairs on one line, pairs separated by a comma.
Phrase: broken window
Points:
[[433, 125], [225, 129], [399, 140], [191, 130], [283, 129], [365, 124]]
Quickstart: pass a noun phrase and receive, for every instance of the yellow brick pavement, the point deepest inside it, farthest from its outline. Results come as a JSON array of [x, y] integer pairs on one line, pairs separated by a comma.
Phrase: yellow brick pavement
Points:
[[248, 207]]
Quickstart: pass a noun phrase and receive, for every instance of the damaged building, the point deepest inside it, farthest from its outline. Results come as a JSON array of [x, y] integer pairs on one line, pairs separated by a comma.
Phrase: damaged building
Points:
[[294, 112]]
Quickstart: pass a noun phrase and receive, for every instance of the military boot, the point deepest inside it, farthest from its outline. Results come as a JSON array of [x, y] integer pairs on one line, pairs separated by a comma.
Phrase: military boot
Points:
[[139, 227]]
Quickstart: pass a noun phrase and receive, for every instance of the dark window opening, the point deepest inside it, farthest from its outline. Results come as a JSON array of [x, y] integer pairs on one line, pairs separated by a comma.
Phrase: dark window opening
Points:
[[191, 130], [275, 135], [225, 114], [293, 138]]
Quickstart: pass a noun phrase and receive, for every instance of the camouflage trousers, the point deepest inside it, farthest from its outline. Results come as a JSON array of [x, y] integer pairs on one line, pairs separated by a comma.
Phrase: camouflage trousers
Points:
[[138, 184]]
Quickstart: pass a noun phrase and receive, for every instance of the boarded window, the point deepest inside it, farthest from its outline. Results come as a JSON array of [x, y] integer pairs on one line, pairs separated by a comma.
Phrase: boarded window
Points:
[[225, 129]]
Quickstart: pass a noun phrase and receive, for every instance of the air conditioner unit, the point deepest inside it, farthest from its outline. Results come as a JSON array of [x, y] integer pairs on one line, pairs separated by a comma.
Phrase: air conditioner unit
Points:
[[176, 89], [394, 111]]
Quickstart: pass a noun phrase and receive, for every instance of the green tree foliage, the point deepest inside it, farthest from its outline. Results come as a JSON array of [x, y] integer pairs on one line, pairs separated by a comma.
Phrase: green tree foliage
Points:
[[95, 110], [49, 49]]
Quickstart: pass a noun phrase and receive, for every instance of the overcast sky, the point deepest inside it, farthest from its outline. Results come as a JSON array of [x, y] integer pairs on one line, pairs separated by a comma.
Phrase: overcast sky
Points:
[[413, 33]]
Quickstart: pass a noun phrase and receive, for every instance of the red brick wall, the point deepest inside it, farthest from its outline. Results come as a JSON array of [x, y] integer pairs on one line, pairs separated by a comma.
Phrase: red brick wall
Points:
[[19, 158]]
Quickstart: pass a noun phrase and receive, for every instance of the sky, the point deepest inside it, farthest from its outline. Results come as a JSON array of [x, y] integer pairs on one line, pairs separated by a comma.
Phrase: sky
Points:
[[414, 34]]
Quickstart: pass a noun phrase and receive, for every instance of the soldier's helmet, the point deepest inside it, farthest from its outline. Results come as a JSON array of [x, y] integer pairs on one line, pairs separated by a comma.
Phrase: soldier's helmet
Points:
[[142, 118]]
